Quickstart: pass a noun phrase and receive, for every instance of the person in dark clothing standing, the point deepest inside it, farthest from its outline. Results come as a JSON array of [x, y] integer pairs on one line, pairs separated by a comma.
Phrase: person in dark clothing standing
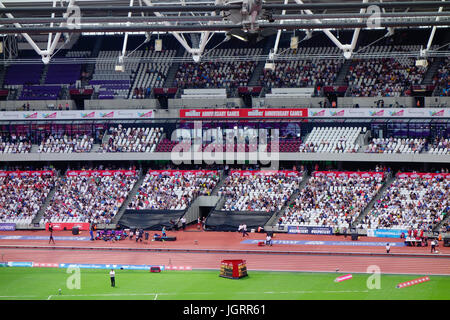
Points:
[[433, 246], [112, 275], [50, 228], [244, 230]]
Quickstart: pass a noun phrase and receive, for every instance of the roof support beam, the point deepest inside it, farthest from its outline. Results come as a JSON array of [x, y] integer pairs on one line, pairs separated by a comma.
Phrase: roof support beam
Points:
[[433, 31], [208, 8]]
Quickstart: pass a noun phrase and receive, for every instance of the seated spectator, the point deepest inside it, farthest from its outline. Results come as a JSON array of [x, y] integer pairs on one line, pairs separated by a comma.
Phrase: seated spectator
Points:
[[230, 73], [22, 197], [442, 78], [301, 74], [14, 144], [131, 139], [411, 203], [387, 77], [439, 146], [395, 145], [332, 202], [258, 192], [81, 198], [164, 192], [58, 143]]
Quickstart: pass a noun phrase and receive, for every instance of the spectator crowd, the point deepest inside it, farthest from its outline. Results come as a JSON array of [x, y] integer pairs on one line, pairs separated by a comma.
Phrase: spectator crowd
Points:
[[14, 144], [84, 198], [395, 145], [331, 201], [64, 143], [257, 192], [411, 203], [22, 197], [165, 192], [131, 139], [387, 77]]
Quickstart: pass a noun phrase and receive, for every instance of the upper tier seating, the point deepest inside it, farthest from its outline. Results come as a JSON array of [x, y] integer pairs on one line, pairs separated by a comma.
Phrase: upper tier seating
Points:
[[132, 139], [332, 139]]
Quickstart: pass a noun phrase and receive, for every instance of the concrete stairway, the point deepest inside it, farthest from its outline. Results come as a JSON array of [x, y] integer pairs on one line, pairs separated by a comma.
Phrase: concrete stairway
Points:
[[446, 220], [44, 75], [431, 71], [378, 196], [130, 196], [270, 225], [170, 77], [45, 205], [340, 79], [219, 185]]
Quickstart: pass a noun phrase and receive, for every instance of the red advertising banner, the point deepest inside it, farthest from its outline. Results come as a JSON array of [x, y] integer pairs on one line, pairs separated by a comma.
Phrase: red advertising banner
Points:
[[413, 282], [99, 173], [60, 226], [244, 113], [182, 172], [415, 175], [348, 174], [27, 173], [246, 173]]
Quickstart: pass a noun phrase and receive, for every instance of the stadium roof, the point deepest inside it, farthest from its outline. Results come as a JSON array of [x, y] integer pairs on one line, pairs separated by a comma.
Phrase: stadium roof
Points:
[[241, 18]]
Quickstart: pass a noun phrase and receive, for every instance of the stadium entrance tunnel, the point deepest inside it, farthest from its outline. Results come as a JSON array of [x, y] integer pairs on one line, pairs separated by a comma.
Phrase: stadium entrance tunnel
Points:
[[231, 220], [150, 219]]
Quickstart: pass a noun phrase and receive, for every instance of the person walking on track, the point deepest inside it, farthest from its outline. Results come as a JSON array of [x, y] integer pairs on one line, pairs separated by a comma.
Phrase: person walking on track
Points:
[[50, 228]]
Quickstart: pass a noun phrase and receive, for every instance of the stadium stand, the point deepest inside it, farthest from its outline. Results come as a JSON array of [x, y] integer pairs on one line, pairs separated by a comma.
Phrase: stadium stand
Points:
[[331, 200], [162, 191], [14, 144], [390, 77], [332, 139], [83, 196], [131, 139], [303, 73], [411, 201], [217, 74], [395, 145], [439, 146], [21, 196], [150, 75], [256, 191], [62, 143], [442, 78]]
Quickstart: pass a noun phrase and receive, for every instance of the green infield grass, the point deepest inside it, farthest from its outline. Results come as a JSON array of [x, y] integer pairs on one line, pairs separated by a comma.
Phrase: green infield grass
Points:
[[18, 283]]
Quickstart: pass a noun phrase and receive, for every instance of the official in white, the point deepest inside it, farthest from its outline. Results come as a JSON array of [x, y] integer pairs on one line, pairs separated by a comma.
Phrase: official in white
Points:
[[112, 275]]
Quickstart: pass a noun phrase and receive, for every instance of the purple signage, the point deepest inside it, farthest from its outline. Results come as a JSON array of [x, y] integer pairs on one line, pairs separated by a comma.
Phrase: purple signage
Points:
[[310, 230], [7, 226]]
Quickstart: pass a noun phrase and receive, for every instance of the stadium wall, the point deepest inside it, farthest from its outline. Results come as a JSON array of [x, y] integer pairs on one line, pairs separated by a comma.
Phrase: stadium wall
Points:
[[175, 104], [287, 156]]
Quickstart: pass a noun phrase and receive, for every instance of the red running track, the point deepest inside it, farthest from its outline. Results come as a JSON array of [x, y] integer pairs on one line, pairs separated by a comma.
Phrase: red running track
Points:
[[205, 250]]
